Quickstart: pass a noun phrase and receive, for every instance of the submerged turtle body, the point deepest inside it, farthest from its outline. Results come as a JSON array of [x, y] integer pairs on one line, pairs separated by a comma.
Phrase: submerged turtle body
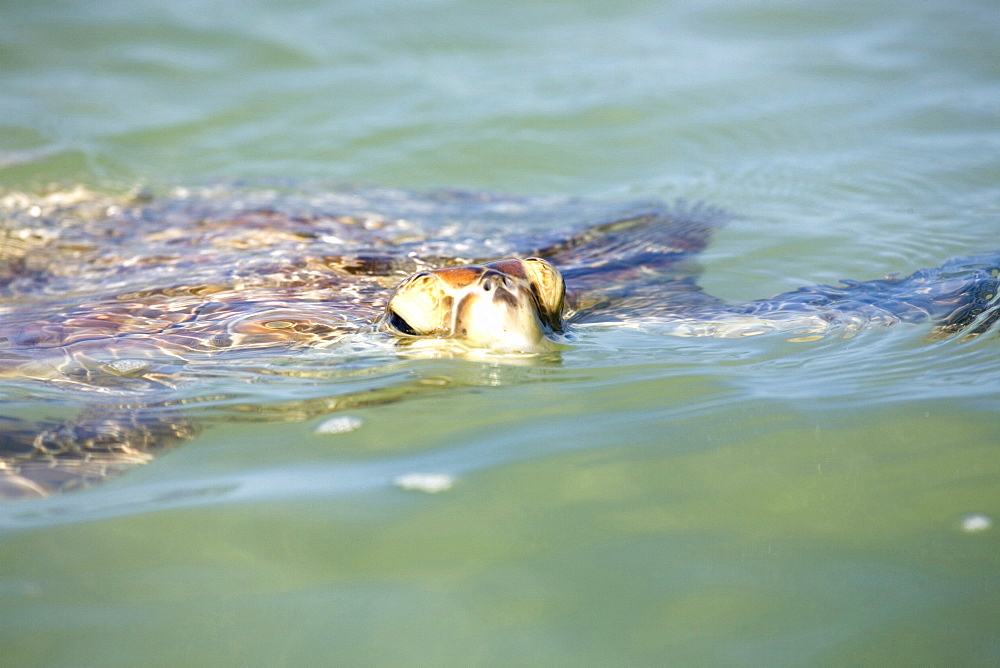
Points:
[[129, 299], [120, 304]]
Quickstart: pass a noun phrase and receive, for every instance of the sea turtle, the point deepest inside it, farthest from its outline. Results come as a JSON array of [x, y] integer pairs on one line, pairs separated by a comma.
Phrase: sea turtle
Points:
[[120, 303]]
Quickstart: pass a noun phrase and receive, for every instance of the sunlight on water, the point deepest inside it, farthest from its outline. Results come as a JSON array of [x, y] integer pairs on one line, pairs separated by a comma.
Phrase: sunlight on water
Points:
[[639, 498]]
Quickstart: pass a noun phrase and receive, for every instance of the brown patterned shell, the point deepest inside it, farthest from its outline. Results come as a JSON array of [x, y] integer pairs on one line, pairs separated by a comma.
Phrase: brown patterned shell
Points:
[[192, 275], [134, 296]]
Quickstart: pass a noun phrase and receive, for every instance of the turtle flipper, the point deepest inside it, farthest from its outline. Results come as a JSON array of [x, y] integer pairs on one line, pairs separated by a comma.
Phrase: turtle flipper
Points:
[[975, 309], [651, 239], [41, 458], [971, 320], [638, 265], [961, 295]]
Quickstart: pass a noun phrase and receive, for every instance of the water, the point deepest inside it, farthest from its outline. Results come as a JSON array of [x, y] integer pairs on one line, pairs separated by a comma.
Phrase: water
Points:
[[647, 499]]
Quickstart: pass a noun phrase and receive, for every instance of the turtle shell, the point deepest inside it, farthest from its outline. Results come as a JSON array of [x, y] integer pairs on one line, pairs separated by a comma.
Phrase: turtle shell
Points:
[[129, 297]]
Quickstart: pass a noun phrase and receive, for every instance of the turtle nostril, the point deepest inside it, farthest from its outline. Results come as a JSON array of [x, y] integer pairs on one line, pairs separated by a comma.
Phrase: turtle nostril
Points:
[[487, 285]]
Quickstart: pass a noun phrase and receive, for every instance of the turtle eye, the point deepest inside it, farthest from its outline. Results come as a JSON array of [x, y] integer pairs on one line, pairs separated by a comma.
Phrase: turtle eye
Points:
[[400, 325]]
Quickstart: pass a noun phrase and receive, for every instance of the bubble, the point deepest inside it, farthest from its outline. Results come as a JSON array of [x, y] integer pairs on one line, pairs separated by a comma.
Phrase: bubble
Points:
[[976, 522], [432, 483], [341, 424]]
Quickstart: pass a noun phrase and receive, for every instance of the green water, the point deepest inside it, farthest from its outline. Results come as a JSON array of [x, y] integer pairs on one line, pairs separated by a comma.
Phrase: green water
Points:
[[647, 500]]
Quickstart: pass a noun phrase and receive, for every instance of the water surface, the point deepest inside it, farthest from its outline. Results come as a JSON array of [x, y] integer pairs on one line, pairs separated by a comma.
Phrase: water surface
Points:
[[647, 499]]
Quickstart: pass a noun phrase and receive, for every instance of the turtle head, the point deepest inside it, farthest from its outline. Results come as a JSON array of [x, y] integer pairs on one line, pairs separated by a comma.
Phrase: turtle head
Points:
[[508, 306]]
